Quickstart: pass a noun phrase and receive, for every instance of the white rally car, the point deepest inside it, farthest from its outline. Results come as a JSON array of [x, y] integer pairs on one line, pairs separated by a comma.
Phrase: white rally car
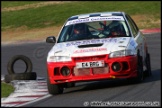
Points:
[[97, 46]]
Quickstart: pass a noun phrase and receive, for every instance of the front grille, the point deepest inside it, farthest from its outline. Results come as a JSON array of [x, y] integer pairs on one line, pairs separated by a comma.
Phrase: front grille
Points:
[[91, 58], [87, 71], [100, 70], [81, 72]]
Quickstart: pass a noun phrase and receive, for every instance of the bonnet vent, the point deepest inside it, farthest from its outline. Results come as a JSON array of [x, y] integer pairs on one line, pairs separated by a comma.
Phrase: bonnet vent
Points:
[[90, 45]]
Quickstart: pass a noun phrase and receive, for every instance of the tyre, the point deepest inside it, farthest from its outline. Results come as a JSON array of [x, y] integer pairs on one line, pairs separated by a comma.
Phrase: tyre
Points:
[[54, 88], [20, 76], [10, 65], [140, 75], [148, 65]]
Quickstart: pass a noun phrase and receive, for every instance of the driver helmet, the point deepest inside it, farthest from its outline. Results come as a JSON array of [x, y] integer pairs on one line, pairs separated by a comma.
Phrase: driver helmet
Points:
[[115, 27], [79, 28]]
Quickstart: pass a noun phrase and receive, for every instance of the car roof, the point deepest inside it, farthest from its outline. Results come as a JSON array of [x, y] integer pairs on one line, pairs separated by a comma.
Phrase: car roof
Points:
[[96, 14]]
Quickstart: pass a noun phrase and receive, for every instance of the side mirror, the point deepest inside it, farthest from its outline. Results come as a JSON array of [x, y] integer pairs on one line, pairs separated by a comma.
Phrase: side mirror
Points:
[[51, 39]]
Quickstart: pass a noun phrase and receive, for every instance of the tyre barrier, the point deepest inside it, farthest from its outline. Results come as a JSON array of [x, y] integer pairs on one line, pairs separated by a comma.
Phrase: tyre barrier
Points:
[[10, 65], [26, 75], [20, 76]]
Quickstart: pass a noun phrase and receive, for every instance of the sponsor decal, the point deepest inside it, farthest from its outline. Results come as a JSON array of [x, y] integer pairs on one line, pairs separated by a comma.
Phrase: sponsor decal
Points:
[[77, 21], [96, 41], [90, 50], [91, 19], [132, 43]]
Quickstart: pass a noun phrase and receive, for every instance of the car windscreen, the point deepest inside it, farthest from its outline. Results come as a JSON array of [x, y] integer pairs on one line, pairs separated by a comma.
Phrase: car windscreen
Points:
[[94, 30]]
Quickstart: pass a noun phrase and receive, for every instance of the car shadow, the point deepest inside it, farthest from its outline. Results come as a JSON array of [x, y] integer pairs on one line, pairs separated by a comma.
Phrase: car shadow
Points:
[[94, 85]]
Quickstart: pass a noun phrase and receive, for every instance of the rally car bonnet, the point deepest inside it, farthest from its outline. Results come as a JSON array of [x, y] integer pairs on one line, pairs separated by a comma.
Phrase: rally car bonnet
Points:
[[91, 47]]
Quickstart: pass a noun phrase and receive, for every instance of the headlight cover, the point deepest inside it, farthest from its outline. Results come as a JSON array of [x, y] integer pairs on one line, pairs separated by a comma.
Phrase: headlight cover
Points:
[[121, 53], [59, 58]]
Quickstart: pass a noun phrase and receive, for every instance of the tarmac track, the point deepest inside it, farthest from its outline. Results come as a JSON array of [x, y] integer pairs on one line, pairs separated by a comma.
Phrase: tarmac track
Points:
[[88, 92]]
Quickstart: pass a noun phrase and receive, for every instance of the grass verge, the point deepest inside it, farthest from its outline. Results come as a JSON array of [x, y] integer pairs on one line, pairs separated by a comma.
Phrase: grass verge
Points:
[[147, 12], [22, 20], [6, 89]]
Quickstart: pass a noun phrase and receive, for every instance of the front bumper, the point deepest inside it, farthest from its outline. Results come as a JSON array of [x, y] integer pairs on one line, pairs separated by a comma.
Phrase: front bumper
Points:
[[128, 69]]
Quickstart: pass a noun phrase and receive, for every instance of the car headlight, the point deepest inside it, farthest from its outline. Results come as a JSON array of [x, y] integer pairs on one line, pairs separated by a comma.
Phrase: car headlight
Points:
[[121, 53], [58, 58]]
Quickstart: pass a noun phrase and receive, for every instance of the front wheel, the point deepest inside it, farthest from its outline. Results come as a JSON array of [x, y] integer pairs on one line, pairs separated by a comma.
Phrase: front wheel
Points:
[[54, 88], [148, 65], [140, 76]]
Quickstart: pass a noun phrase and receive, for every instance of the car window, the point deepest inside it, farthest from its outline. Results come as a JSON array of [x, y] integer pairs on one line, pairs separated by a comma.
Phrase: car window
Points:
[[94, 30], [133, 26]]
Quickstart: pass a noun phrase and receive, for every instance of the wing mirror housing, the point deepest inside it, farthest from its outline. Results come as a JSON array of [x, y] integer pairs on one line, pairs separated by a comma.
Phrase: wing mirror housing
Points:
[[51, 39]]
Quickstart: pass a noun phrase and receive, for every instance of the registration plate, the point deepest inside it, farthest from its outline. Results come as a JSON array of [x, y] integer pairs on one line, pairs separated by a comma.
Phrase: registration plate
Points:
[[90, 64]]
